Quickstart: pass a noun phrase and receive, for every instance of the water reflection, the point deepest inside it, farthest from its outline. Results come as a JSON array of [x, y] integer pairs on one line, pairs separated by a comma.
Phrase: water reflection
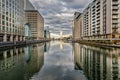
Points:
[[46, 46], [59, 64], [21, 63], [97, 63], [61, 44]]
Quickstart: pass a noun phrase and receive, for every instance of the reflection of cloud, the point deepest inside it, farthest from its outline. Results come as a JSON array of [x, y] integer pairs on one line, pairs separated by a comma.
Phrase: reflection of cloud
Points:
[[54, 35], [59, 13], [59, 65]]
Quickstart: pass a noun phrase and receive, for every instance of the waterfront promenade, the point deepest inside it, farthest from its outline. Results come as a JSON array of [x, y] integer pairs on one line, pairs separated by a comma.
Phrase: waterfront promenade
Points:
[[98, 43], [18, 43]]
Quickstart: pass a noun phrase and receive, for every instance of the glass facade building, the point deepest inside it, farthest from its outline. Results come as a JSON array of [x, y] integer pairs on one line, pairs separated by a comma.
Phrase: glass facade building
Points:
[[12, 20]]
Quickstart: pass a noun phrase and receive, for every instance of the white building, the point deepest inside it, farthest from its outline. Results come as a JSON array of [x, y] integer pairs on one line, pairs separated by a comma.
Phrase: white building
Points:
[[101, 19]]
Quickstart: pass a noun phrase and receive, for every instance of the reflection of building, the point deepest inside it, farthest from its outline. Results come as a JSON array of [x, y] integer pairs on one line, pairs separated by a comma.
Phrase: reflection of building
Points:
[[97, 63], [28, 52], [21, 64], [36, 22], [40, 55], [36, 53], [76, 54], [11, 63], [61, 44], [61, 35], [77, 31], [12, 20], [46, 46]]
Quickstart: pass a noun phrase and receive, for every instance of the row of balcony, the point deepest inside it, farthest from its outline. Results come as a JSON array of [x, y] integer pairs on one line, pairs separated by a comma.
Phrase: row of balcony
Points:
[[115, 3], [115, 8], [115, 12], [115, 21]]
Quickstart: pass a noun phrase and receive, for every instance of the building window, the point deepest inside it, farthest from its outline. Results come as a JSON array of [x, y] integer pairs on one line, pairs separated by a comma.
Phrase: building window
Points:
[[113, 36]]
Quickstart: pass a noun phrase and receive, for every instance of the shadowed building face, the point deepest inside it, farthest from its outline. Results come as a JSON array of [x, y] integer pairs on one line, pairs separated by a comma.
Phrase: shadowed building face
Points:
[[12, 20]]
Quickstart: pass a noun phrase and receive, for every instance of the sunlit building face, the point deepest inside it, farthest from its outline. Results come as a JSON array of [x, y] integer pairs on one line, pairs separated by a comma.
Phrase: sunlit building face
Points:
[[36, 21], [101, 19]]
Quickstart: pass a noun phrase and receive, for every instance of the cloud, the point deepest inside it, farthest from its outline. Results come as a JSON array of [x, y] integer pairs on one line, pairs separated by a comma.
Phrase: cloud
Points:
[[58, 14]]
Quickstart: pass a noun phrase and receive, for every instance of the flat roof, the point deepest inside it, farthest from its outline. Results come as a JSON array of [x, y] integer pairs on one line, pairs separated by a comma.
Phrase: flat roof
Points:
[[31, 10]]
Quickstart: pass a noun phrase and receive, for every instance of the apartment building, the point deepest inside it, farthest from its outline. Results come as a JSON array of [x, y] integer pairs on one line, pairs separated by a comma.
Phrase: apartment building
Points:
[[11, 20], [77, 32], [101, 20], [36, 22]]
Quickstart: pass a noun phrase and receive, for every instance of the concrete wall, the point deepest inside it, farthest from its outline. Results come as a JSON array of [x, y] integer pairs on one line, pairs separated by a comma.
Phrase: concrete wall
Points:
[[77, 26]]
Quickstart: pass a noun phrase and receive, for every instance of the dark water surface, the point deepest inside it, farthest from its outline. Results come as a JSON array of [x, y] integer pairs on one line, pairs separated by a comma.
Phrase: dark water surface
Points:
[[59, 61]]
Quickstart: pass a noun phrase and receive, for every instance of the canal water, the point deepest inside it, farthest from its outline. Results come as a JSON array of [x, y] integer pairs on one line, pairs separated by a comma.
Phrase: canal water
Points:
[[57, 60]]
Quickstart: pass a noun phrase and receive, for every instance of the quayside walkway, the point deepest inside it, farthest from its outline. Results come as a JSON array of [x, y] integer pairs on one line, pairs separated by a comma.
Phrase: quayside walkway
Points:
[[17, 43]]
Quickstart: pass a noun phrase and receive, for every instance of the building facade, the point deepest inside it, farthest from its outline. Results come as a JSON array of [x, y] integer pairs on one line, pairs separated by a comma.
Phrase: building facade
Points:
[[28, 6], [11, 20], [36, 22], [77, 30], [101, 20]]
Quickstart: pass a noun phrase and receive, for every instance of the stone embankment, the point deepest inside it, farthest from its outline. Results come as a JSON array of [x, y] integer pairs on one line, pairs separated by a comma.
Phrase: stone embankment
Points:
[[99, 44], [19, 43]]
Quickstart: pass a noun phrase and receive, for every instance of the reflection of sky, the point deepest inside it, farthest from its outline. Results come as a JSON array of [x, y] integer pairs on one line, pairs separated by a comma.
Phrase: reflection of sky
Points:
[[58, 14], [59, 65]]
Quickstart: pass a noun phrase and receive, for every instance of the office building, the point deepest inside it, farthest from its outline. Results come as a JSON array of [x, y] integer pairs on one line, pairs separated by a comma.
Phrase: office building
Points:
[[36, 22], [11, 20], [28, 6]]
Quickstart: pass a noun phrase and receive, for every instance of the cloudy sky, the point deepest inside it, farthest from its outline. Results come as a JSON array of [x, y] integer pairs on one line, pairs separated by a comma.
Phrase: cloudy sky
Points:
[[58, 14]]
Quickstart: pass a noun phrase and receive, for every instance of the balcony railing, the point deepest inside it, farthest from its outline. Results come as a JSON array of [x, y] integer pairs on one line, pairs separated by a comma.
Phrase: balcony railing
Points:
[[115, 27], [115, 17], [114, 12], [115, 3], [115, 21], [115, 8]]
